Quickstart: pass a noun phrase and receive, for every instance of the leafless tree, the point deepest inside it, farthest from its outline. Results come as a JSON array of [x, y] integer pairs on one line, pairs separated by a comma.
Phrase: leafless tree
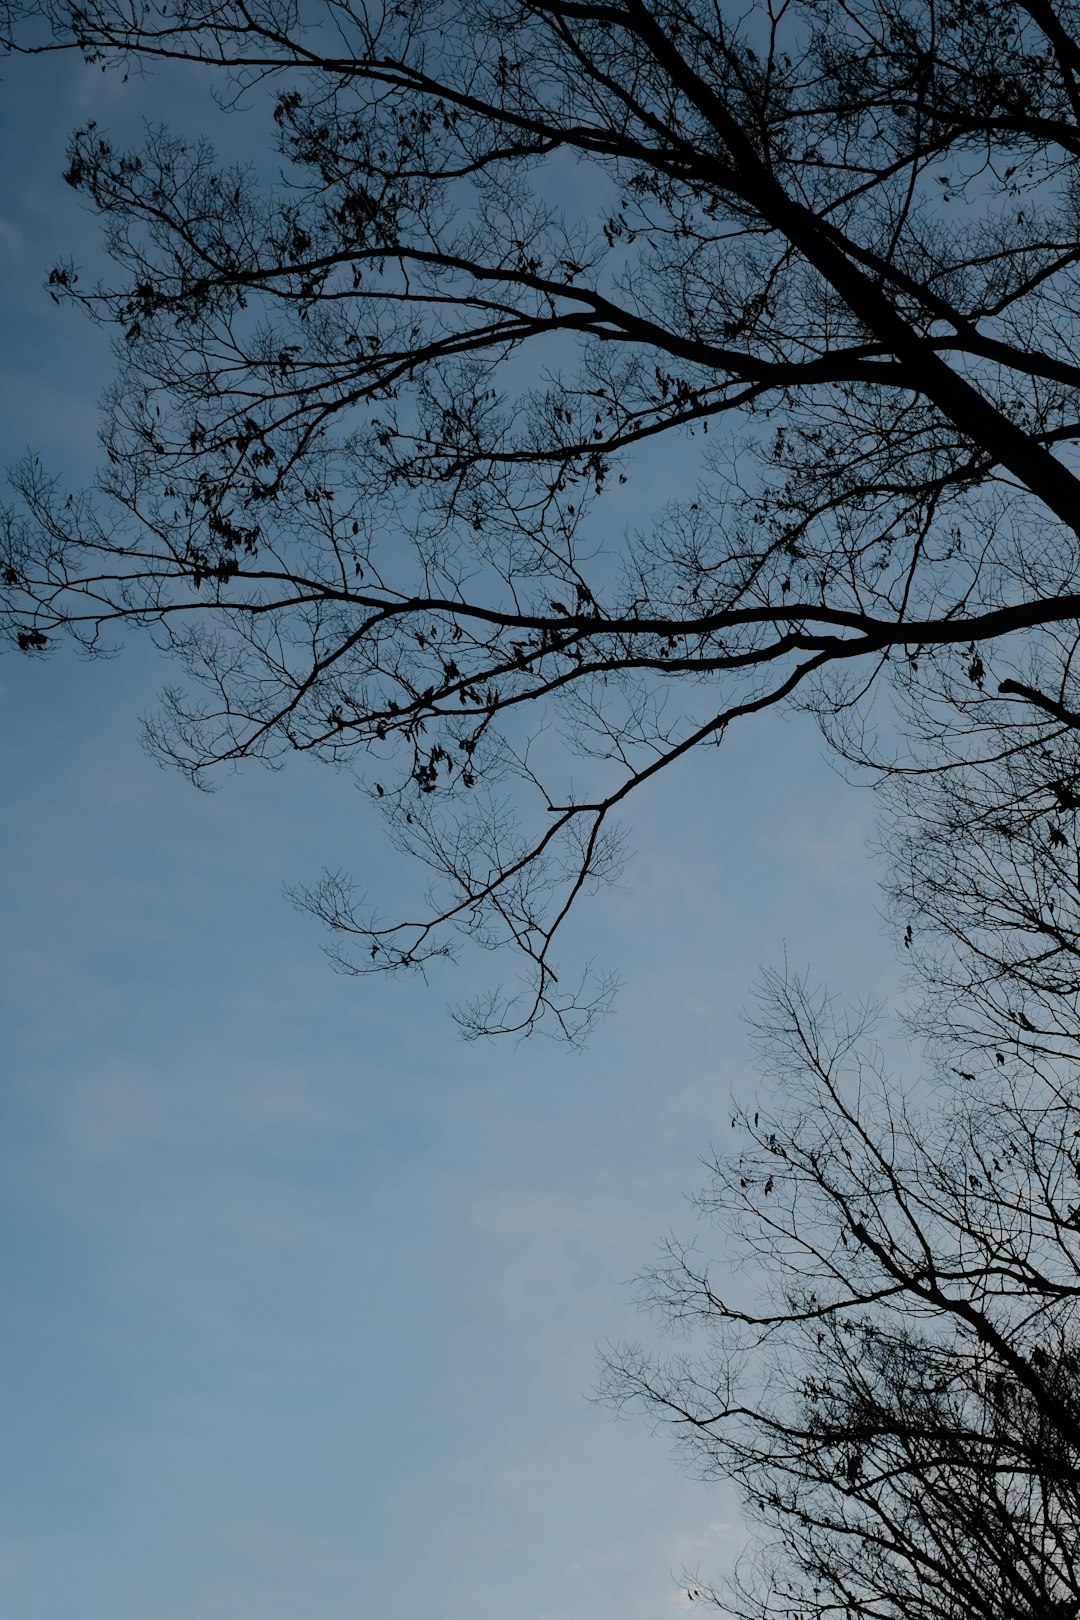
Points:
[[366, 455], [899, 1395]]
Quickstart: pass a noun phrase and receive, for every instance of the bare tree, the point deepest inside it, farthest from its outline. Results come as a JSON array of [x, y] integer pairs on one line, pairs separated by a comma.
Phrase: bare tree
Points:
[[896, 1383], [366, 451], [900, 1399]]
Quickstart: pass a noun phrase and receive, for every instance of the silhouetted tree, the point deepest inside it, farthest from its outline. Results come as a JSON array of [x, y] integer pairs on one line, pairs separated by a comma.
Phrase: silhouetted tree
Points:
[[366, 452], [901, 1409], [897, 1388]]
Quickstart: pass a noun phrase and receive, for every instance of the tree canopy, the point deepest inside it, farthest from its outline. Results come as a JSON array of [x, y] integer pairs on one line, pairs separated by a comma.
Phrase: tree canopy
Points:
[[373, 449], [899, 1397], [883, 1350], [806, 277]]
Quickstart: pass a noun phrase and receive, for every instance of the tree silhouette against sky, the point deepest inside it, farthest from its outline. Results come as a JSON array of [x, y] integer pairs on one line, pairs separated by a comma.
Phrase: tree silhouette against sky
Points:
[[371, 450], [587, 378]]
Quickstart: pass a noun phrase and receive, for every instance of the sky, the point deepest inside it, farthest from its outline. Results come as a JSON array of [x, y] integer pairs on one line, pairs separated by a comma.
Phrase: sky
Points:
[[301, 1293]]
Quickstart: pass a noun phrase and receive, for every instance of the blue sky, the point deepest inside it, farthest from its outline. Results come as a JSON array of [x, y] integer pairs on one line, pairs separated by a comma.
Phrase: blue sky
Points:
[[301, 1293]]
